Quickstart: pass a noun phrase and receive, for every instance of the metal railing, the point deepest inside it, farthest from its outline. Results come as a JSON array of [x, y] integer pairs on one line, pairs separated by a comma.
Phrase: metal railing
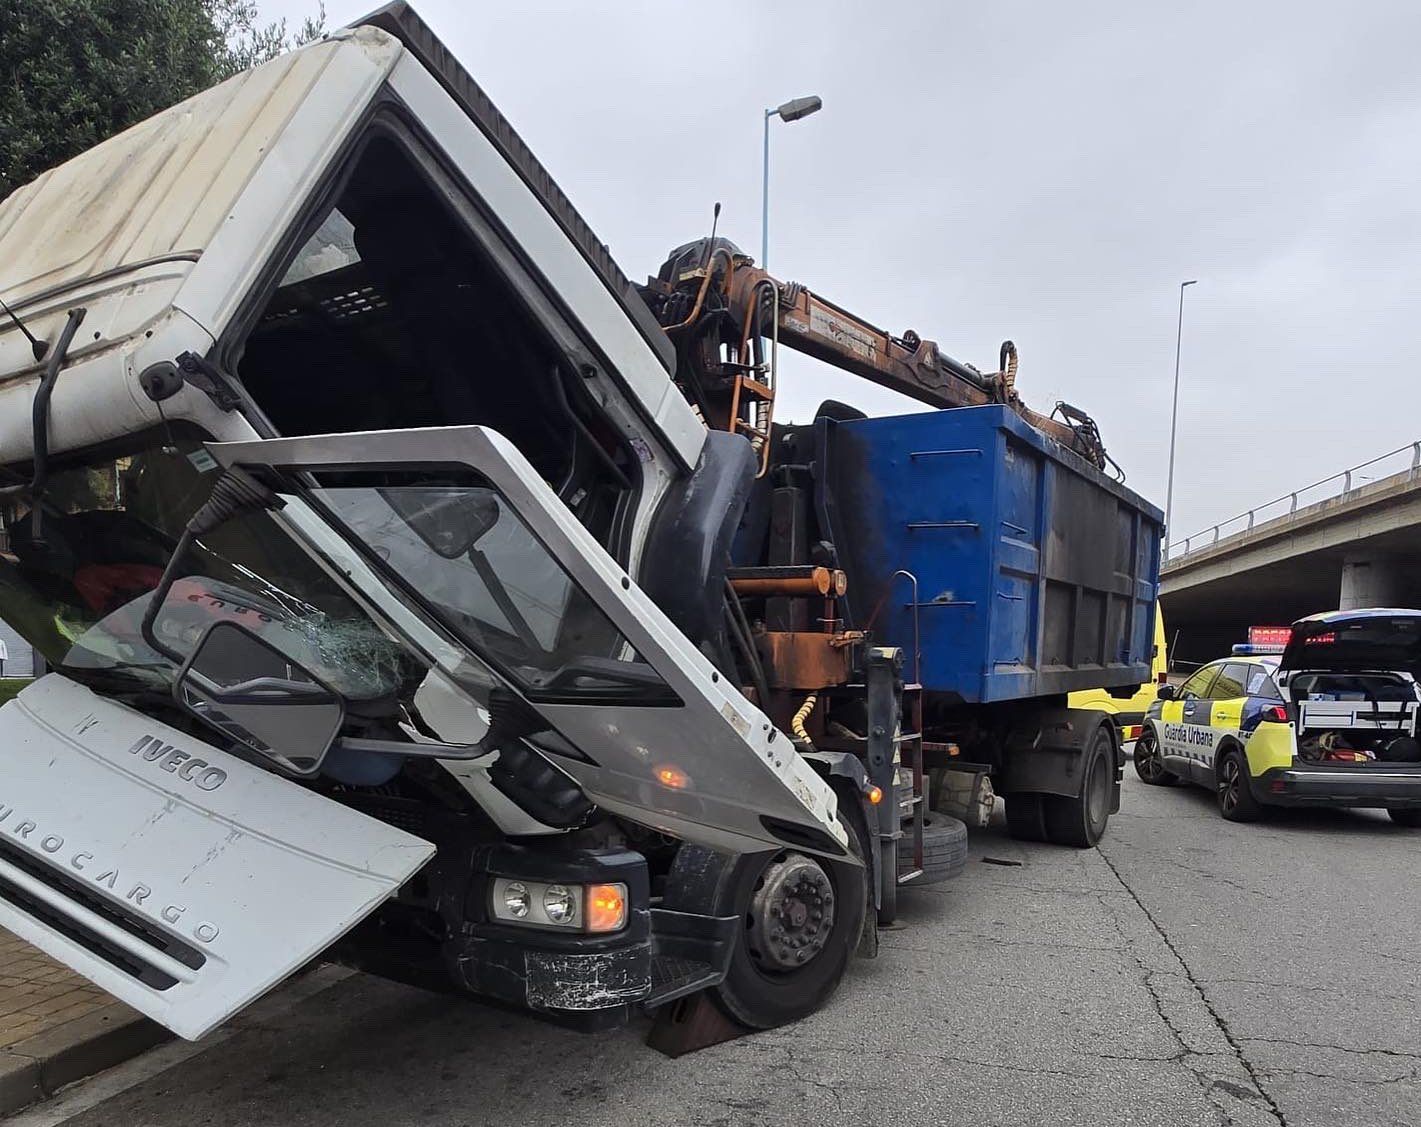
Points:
[[1409, 467]]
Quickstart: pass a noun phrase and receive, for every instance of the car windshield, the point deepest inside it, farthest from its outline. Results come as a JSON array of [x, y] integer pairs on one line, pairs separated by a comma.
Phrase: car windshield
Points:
[[77, 585], [460, 551]]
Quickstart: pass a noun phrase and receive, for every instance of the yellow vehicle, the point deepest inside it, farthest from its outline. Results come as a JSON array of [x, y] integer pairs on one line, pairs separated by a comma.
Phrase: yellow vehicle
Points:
[[1129, 712]]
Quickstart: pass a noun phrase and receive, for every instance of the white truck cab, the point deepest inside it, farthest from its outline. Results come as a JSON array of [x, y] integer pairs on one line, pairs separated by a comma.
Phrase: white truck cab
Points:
[[329, 495]]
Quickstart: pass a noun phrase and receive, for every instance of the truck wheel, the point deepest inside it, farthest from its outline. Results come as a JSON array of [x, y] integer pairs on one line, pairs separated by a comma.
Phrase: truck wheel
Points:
[[944, 850], [1235, 793], [1026, 817], [803, 917], [1080, 820], [1409, 816], [1149, 763]]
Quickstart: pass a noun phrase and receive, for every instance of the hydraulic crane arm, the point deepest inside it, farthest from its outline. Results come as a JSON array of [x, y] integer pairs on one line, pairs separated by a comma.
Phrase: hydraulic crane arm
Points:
[[721, 308]]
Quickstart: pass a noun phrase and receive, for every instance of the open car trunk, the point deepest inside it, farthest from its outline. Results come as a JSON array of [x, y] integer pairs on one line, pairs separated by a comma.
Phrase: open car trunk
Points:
[[1351, 677]]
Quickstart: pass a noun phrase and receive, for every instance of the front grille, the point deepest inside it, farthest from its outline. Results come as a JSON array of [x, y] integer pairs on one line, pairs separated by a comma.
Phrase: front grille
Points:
[[75, 929]]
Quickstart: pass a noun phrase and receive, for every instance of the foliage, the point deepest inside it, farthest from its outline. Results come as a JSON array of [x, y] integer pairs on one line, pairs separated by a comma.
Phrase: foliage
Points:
[[73, 72]]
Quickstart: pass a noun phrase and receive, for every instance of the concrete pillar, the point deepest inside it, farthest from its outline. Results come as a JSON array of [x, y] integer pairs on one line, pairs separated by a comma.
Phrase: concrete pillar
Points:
[[1371, 581]]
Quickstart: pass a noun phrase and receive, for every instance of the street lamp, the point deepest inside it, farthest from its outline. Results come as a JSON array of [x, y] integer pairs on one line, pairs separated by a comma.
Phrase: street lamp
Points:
[[791, 111], [1174, 418]]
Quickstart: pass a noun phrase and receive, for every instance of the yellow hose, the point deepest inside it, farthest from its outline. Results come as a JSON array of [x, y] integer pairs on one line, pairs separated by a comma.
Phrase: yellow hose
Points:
[[797, 724]]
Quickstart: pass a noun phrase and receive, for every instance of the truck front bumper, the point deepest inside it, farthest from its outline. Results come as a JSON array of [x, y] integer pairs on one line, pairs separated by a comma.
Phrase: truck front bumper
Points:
[[1390, 785], [586, 981]]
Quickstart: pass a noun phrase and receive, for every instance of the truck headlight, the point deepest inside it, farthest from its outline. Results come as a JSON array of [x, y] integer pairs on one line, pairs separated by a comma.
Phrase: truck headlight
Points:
[[515, 899], [559, 904], [597, 909]]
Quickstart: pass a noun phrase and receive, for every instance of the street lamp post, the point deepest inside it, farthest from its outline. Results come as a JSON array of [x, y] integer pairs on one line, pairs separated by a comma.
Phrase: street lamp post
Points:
[[791, 111], [1174, 419]]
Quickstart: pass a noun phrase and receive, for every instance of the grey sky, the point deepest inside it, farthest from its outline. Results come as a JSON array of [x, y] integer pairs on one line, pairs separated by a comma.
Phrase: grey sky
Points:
[[1044, 172]]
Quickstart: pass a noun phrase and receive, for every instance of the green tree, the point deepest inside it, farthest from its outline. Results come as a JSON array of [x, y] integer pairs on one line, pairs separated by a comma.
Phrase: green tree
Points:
[[73, 72]]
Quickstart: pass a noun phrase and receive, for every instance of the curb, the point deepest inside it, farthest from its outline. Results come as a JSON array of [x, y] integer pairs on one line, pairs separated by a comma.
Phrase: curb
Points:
[[40, 1065]]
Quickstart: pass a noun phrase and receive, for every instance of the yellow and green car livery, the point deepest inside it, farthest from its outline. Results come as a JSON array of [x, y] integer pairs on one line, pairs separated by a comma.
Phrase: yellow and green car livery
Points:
[[1226, 724]]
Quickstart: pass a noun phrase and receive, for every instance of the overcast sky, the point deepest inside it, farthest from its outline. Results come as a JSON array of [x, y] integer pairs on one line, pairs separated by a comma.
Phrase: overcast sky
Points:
[[1044, 172]]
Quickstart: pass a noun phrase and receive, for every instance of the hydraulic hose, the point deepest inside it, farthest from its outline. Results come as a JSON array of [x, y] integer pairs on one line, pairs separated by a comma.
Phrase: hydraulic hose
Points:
[[796, 725]]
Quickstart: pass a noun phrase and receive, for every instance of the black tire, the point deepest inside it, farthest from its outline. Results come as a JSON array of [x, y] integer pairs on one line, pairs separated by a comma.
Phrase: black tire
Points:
[[1026, 817], [1233, 790], [944, 850], [757, 997], [1409, 816], [1080, 820], [1149, 763]]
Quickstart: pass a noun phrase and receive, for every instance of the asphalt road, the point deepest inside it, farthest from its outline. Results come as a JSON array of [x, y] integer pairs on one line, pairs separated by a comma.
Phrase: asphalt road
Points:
[[1188, 971]]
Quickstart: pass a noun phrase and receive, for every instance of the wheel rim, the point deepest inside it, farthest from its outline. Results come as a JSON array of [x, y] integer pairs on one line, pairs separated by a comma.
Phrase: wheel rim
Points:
[[1147, 757], [791, 915], [1228, 784]]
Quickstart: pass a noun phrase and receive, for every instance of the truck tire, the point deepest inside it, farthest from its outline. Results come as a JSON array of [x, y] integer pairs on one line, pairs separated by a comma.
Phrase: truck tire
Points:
[[944, 850], [1081, 820], [1026, 817], [768, 983]]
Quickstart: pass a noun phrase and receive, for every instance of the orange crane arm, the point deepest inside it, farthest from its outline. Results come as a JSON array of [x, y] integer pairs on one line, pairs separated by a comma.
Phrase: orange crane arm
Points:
[[723, 306]]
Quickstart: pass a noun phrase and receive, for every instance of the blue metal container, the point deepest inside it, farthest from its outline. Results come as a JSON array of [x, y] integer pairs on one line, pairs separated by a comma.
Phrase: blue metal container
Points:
[[1029, 572]]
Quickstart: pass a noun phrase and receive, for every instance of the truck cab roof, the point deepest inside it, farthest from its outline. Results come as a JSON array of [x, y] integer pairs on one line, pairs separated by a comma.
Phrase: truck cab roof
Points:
[[163, 232]]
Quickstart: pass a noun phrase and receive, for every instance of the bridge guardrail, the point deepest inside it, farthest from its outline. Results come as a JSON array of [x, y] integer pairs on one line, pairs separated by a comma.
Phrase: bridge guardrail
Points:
[[1247, 520]]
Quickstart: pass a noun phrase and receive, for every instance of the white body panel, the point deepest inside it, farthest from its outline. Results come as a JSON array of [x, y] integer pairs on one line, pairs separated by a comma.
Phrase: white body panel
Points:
[[164, 230], [254, 873], [1381, 716]]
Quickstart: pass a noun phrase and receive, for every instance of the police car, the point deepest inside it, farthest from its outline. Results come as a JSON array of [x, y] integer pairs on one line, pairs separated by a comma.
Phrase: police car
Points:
[[1327, 718]]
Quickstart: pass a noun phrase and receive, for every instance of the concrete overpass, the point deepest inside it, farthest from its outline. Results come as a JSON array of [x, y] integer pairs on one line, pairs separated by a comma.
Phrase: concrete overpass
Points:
[[1350, 540]]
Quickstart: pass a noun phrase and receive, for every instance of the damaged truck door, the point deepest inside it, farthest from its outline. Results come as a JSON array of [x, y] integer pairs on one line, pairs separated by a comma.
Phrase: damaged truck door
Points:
[[551, 629]]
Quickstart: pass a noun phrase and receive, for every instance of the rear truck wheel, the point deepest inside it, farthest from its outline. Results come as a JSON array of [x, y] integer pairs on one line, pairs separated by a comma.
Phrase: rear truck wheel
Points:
[[944, 850], [1026, 817], [1409, 816], [802, 920], [1080, 820], [1234, 790], [1149, 762]]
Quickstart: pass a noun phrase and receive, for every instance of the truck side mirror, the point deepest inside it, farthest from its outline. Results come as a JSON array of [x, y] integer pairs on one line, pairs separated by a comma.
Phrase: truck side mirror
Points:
[[253, 693], [1165, 692]]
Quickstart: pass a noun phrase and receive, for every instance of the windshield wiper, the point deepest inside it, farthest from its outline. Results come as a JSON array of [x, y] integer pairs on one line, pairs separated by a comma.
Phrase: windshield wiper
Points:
[[40, 421]]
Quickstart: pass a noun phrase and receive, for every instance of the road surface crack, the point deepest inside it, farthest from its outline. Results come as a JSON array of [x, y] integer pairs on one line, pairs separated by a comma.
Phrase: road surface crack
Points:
[[1223, 1026]]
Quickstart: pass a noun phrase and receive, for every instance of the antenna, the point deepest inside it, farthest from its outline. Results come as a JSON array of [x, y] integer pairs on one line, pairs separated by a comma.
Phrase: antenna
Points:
[[710, 242], [40, 347]]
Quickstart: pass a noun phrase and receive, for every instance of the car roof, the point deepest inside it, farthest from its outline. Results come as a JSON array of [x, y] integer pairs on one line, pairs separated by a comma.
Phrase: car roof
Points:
[[1331, 616]]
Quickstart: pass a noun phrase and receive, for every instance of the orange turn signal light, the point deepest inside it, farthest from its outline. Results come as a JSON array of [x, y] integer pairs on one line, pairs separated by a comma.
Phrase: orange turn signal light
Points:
[[672, 777], [875, 795], [606, 907]]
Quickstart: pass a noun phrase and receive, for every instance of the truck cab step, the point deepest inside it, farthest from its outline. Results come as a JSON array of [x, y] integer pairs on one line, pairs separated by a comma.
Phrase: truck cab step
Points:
[[673, 977]]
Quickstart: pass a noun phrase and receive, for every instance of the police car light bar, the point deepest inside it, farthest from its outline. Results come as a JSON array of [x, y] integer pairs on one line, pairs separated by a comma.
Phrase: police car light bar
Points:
[[1249, 649]]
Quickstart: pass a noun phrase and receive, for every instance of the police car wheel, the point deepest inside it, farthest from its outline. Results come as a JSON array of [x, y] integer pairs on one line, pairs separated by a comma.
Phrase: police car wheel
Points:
[[1408, 816], [1149, 763], [1235, 793]]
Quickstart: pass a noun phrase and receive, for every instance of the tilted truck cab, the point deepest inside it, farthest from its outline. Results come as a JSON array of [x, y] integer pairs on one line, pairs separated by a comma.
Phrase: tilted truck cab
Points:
[[348, 240], [399, 605]]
